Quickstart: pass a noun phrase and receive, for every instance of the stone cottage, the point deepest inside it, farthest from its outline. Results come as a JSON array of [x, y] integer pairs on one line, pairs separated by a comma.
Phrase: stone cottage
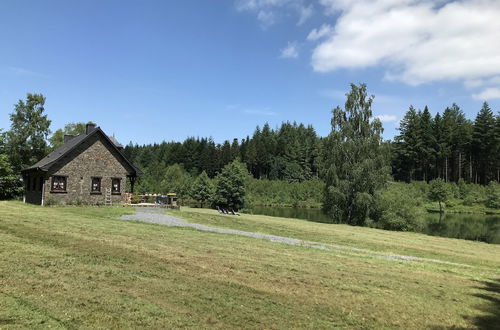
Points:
[[89, 167]]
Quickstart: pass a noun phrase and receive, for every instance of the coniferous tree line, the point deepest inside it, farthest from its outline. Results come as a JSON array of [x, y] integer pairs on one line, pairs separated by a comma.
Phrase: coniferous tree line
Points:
[[448, 146], [289, 153]]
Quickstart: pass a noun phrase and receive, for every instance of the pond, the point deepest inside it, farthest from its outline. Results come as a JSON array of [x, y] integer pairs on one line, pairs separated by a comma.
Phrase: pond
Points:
[[476, 227]]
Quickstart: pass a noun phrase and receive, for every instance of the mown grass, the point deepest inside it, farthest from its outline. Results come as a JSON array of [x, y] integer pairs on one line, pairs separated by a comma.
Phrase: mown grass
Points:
[[486, 256], [77, 267]]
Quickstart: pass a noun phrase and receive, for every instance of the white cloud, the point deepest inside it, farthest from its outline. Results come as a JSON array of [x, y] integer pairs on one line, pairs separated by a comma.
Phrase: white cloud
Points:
[[488, 94], [416, 41], [387, 118], [269, 11], [290, 51], [325, 30]]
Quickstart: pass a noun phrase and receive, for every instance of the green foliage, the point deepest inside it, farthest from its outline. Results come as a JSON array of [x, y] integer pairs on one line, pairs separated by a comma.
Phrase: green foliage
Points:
[[400, 208], [230, 186], [176, 179], [202, 189], [26, 139], [10, 184], [355, 160], [493, 195], [438, 192], [283, 193], [57, 139]]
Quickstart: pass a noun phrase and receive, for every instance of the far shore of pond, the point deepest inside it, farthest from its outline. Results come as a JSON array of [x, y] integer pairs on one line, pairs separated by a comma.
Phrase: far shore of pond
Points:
[[461, 209]]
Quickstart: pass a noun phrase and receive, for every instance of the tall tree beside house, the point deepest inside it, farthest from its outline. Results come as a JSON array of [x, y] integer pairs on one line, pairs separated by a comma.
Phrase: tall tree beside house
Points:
[[230, 186], [57, 138], [202, 189], [357, 166], [27, 137]]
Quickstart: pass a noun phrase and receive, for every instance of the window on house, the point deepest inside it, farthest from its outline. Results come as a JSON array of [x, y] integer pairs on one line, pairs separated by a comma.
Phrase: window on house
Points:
[[96, 185], [115, 186], [58, 184]]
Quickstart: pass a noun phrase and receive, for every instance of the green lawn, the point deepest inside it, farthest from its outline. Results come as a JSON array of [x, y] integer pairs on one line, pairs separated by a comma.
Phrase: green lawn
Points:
[[78, 267]]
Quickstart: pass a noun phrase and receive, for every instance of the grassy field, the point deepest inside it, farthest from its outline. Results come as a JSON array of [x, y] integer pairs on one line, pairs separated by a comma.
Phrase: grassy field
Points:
[[78, 267]]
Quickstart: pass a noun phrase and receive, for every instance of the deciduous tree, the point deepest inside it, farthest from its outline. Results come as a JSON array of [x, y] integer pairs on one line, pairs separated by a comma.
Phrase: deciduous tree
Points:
[[357, 165], [27, 137]]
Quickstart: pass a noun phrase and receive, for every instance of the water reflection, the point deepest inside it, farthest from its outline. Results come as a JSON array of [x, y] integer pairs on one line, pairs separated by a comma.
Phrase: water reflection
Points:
[[476, 227]]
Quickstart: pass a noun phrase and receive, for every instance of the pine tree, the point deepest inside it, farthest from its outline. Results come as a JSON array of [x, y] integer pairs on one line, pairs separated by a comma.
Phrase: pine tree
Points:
[[484, 144], [406, 146], [426, 144], [202, 189]]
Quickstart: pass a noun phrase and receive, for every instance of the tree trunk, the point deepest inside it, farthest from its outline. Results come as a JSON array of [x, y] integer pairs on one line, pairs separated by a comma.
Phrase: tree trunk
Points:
[[459, 166], [446, 170], [470, 169], [440, 208]]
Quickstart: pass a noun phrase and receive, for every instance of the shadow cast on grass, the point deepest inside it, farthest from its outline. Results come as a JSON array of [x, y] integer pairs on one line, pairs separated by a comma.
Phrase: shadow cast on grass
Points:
[[491, 306]]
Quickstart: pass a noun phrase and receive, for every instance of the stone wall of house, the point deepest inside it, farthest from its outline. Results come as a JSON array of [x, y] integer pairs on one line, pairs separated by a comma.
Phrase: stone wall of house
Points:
[[93, 158]]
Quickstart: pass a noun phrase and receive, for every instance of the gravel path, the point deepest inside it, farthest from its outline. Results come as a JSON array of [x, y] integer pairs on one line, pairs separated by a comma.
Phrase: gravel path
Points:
[[156, 216]]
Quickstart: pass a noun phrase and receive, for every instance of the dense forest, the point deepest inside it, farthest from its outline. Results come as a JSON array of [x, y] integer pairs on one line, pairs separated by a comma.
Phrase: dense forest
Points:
[[447, 146]]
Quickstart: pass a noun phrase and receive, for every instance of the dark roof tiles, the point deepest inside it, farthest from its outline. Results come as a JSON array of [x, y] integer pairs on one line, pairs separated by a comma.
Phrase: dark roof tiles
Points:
[[45, 163]]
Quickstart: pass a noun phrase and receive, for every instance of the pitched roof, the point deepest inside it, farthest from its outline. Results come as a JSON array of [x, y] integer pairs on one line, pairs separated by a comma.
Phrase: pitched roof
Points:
[[45, 163]]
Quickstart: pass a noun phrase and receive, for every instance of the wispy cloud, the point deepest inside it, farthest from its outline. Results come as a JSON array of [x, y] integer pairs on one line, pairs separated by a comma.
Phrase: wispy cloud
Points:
[[387, 118], [290, 51], [305, 12], [25, 72], [268, 12], [261, 112], [488, 94], [324, 31], [264, 111]]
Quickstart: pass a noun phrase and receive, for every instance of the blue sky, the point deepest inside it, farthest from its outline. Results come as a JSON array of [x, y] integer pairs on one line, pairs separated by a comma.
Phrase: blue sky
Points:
[[149, 71]]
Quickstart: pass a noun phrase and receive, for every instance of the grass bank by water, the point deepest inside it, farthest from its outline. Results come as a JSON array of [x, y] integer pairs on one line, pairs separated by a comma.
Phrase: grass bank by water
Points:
[[78, 267]]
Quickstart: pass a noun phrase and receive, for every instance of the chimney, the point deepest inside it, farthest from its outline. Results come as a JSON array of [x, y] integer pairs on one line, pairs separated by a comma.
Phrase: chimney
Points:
[[89, 128], [68, 137]]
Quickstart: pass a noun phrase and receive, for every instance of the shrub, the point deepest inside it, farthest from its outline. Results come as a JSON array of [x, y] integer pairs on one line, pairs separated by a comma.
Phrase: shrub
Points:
[[135, 199], [493, 195], [398, 208]]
